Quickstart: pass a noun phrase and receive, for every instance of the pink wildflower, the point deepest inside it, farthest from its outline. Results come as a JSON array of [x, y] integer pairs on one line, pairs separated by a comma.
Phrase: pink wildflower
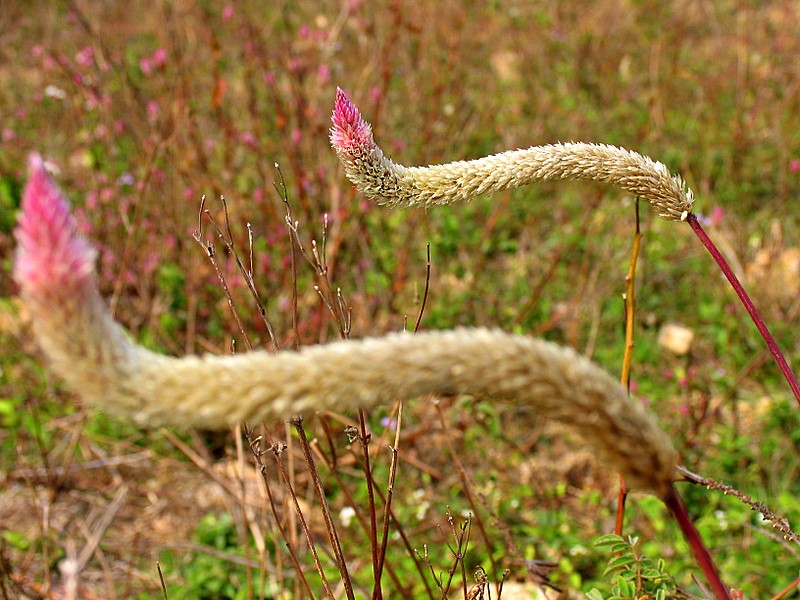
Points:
[[159, 58], [85, 57], [717, 214], [351, 135], [52, 257], [247, 138], [153, 111], [324, 74]]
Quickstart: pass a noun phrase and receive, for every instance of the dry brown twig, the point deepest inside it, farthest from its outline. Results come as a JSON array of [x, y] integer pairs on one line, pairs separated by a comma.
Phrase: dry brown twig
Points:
[[778, 522]]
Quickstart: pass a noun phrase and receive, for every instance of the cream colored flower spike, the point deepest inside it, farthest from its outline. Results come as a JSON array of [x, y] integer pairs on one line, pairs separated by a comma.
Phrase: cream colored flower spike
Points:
[[54, 268], [389, 183]]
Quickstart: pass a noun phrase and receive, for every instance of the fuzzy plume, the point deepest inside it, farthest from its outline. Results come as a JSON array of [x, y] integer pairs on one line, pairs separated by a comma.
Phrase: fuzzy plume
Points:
[[389, 183], [351, 135], [49, 254], [54, 268]]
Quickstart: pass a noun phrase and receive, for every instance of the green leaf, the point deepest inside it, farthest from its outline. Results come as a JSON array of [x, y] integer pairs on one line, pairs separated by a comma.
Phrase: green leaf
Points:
[[653, 574], [17, 540], [619, 563], [626, 588], [610, 539], [621, 548]]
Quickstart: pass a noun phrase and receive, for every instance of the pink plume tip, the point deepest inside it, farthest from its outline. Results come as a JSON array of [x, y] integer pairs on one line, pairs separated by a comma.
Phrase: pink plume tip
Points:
[[350, 134], [52, 257]]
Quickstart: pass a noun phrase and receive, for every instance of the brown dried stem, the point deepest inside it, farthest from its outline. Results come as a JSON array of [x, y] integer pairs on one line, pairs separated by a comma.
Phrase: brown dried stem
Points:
[[778, 522], [365, 525], [629, 299], [277, 449], [258, 453], [333, 536], [389, 495]]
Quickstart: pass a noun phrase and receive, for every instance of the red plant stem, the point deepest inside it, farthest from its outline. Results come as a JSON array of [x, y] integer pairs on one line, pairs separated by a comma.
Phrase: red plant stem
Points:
[[748, 304], [622, 496], [788, 589], [692, 537]]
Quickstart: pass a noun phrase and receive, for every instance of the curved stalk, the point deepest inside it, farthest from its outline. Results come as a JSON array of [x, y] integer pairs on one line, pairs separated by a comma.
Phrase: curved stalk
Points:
[[89, 350]]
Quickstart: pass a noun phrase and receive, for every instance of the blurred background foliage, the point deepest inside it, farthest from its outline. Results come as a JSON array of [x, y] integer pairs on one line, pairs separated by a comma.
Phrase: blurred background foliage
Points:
[[143, 108]]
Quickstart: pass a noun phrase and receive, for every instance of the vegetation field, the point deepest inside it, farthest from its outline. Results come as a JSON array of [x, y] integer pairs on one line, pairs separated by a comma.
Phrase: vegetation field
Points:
[[192, 141]]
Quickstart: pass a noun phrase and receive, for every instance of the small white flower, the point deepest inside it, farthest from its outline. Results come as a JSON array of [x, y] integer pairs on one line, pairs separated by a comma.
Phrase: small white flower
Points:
[[422, 505], [578, 551], [346, 515], [52, 91]]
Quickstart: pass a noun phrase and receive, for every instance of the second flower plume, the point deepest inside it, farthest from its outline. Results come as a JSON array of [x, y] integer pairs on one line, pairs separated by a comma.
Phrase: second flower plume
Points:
[[378, 177]]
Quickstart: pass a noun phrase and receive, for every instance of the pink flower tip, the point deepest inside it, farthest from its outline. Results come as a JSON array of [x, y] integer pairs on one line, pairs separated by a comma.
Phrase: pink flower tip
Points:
[[351, 134], [52, 257]]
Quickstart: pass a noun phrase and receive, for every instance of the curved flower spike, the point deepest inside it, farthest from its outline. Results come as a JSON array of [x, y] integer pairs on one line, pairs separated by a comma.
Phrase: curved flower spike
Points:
[[389, 183], [91, 352]]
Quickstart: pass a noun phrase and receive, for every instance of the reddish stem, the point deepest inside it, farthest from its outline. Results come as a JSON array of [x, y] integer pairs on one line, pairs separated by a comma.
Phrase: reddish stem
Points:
[[692, 537], [787, 590], [748, 304], [621, 498]]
